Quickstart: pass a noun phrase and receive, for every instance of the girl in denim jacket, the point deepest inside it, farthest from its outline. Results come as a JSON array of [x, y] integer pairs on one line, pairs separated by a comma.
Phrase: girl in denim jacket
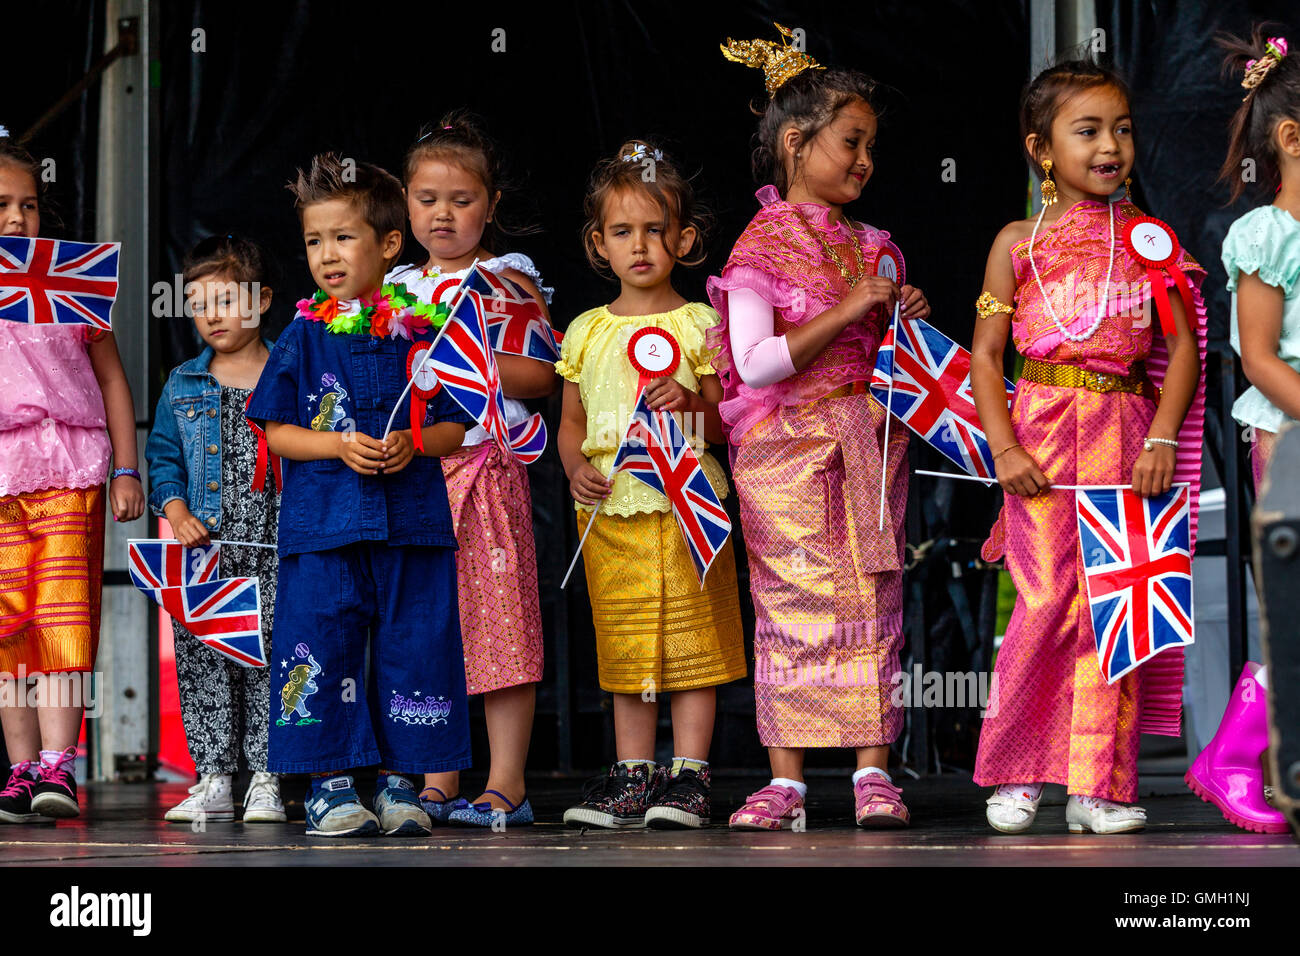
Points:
[[210, 472]]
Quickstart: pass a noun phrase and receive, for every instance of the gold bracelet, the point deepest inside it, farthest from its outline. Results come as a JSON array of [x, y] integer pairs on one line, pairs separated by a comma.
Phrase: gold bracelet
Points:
[[986, 305], [1005, 450]]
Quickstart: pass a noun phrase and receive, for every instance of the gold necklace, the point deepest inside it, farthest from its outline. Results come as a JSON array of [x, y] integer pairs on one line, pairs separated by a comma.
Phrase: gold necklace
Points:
[[834, 256]]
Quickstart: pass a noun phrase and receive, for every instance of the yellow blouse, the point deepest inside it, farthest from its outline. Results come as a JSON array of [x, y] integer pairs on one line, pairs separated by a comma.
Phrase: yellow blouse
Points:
[[594, 355]]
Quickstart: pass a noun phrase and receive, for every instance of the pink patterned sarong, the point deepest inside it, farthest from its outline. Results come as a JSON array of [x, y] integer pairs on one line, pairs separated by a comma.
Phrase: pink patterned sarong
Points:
[[496, 567], [1052, 716]]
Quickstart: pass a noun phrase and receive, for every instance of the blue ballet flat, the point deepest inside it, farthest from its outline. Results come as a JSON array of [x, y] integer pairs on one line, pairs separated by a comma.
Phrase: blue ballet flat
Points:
[[485, 815], [440, 811]]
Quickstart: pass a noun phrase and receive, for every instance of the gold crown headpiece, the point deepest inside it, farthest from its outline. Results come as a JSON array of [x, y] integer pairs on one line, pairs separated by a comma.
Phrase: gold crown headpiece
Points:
[[778, 63]]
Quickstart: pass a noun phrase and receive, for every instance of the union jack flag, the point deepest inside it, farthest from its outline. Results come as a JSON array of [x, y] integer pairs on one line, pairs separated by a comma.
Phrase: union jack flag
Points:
[[516, 324], [1138, 568], [528, 439], [463, 360], [655, 451], [156, 563], [225, 614], [56, 282], [932, 393]]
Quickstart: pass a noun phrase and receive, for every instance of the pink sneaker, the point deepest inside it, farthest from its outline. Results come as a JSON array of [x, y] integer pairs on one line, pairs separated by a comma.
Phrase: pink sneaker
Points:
[[774, 807], [879, 803]]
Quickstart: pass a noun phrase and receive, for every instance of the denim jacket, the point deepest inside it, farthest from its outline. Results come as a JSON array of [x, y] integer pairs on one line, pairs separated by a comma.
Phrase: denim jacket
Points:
[[184, 448]]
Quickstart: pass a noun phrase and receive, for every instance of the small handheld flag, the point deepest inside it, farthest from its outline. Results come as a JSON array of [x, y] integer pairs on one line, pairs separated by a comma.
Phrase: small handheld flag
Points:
[[1138, 568], [57, 282]]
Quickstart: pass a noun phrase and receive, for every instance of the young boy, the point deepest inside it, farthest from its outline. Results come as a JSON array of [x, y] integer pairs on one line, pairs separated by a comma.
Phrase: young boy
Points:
[[365, 540]]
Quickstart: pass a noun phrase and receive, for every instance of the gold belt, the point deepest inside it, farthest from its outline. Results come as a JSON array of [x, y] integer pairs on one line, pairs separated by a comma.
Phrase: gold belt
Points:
[[1135, 382], [853, 388]]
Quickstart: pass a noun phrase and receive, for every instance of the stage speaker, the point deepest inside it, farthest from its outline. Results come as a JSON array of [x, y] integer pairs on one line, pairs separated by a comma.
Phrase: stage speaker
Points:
[[1276, 525]]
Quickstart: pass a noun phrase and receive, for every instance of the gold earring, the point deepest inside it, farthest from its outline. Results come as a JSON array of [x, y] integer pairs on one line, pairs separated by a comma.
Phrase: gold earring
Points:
[[1048, 187], [1128, 189]]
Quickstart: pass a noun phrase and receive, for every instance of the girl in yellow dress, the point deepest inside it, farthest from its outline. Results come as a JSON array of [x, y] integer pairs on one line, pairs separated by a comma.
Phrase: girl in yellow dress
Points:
[[657, 630]]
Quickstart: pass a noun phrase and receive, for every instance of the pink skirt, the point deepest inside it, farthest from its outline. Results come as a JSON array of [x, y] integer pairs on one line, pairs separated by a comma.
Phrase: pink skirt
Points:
[[496, 568], [826, 581], [1052, 717]]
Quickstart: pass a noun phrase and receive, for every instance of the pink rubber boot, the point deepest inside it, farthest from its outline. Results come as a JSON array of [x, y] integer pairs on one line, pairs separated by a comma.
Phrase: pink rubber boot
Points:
[[1227, 772]]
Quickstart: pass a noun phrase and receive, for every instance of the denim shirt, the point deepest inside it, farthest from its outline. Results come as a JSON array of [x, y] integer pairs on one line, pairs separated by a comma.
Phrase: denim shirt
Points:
[[184, 448], [333, 382]]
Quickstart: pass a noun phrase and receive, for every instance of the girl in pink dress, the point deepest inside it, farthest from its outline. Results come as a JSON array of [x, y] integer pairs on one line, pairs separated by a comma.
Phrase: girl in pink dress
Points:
[[60, 387], [804, 311], [1086, 411]]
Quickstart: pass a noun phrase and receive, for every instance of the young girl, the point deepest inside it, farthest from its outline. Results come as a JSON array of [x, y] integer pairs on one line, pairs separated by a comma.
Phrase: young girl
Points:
[[62, 384], [1085, 412], [453, 180], [1261, 256], [212, 476], [803, 315], [657, 629]]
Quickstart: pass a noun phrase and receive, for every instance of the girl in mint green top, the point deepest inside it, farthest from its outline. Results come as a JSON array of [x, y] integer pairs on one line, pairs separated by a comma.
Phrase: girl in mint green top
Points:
[[1261, 255]]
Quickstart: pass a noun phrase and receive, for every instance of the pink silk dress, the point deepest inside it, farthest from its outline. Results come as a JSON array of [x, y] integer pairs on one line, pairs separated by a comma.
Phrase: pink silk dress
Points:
[[1052, 717], [806, 462]]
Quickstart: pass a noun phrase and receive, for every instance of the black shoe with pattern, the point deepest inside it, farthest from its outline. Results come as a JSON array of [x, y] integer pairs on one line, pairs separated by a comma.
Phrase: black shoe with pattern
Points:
[[617, 800], [683, 803]]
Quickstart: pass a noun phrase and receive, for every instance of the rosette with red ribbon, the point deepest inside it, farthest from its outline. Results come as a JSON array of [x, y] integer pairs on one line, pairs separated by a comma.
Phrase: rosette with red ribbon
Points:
[[424, 385], [265, 459], [887, 261], [1153, 244], [654, 353]]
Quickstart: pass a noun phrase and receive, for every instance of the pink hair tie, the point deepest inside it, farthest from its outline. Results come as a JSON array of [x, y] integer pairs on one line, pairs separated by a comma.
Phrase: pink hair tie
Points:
[[446, 127]]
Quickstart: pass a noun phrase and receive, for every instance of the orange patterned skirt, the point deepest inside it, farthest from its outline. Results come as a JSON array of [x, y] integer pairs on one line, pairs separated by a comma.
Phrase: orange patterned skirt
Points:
[[51, 570]]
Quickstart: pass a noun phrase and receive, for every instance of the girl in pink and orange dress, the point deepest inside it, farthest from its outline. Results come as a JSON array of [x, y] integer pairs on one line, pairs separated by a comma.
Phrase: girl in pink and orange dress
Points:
[[65, 410], [1086, 411], [452, 178], [803, 313]]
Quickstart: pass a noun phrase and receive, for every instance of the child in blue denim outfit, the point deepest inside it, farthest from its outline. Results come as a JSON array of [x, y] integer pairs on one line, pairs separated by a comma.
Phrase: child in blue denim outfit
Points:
[[209, 473], [366, 651]]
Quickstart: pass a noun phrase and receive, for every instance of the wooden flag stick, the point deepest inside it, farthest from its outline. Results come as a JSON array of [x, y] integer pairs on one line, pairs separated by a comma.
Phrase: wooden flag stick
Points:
[[889, 401], [994, 481], [577, 554]]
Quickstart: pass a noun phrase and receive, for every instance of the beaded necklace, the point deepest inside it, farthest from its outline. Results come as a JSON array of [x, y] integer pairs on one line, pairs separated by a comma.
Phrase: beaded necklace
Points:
[[1105, 299]]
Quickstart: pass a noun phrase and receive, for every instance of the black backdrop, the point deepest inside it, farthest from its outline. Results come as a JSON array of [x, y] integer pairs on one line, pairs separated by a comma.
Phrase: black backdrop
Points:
[[278, 81]]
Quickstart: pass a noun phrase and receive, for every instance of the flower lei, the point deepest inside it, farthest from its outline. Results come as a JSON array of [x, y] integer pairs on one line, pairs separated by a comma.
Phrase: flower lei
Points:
[[392, 311]]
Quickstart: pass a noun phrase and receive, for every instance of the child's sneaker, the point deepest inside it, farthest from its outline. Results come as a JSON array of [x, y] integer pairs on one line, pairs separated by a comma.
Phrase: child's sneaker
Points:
[[878, 803], [398, 806], [209, 799], [55, 795], [617, 800], [335, 811], [684, 802], [774, 807], [262, 803], [16, 797]]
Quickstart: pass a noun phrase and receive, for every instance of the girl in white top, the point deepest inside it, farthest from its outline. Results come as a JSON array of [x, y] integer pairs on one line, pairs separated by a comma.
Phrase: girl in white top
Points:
[[452, 178]]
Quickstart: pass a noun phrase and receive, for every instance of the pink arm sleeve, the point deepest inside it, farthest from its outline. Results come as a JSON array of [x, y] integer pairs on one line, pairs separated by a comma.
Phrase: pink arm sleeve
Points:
[[761, 358]]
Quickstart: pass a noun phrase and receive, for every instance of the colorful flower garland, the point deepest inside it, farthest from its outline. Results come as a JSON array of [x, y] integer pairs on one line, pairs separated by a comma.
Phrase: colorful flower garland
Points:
[[392, 311]]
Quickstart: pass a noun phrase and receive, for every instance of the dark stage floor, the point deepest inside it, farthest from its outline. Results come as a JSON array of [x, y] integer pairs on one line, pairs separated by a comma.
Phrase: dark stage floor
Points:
[[122, 825]]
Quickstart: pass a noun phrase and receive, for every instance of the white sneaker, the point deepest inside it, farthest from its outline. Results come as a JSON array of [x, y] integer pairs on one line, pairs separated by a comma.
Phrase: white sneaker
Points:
[[262, 802], [1013, 806], [1102, 816], [209, 800]]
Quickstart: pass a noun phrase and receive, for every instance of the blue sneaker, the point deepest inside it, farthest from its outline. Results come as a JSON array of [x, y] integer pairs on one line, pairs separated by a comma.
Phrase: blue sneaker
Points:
[[485, 815], [334, 810], [400, 813], [440, 810]]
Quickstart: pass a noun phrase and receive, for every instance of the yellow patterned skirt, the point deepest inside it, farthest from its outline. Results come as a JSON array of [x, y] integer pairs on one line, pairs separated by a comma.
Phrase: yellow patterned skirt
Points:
[[656, 629], [51, 569]]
